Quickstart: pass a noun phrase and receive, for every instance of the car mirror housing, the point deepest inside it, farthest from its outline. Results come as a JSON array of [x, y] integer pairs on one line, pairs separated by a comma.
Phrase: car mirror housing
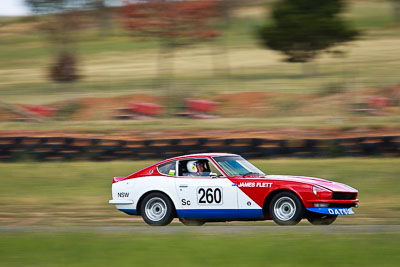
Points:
[[213, 175]]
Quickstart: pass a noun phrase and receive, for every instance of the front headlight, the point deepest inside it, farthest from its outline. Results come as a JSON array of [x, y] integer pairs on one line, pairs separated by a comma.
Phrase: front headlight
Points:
[[322, 192]]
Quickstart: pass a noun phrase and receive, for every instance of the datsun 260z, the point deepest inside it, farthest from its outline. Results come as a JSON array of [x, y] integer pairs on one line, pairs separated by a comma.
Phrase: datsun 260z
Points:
[[220, 187]]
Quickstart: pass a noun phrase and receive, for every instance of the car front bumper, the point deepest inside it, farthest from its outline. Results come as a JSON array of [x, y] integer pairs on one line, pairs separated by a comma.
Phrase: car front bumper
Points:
[[332, 211]]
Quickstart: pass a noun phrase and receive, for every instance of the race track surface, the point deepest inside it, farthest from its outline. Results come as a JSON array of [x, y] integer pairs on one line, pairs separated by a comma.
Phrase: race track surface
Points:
[[209, 229]]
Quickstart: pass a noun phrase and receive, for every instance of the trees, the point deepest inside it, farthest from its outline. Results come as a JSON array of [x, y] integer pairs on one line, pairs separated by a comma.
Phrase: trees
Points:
[[173, 23], [396, 10], [44, 6], [177, 22], [60, 22], [301, 29]]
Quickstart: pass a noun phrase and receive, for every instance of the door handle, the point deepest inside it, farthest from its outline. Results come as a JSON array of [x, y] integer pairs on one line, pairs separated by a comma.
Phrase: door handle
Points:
[[183, 185]]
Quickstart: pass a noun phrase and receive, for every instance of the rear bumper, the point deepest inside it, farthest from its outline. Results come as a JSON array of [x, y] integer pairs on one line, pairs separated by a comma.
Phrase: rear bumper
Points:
[[120, 201]]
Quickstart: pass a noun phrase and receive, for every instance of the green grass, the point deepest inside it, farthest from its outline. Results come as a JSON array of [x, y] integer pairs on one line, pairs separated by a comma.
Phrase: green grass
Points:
[[252, 68], [371, 14], [340, 122], [118, 63], [305, 248], [77, 193]]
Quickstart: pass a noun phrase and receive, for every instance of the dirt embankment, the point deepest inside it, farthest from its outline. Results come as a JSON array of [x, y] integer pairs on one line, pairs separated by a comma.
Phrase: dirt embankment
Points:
[[214, 134], [244, 104]]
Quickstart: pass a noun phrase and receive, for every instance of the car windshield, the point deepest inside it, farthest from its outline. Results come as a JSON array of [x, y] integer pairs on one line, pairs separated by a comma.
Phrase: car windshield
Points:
[[237, 166]]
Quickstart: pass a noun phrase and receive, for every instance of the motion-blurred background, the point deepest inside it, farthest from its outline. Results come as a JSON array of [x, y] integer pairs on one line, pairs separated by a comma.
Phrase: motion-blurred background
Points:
[[91, 89]]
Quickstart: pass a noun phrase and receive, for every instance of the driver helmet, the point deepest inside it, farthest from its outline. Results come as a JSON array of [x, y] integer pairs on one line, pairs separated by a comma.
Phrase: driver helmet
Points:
[[192, 166]]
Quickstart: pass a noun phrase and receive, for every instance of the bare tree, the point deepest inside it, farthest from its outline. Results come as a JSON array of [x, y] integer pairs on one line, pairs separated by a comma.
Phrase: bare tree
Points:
[[60, 21], [396, 10], [173, 23]]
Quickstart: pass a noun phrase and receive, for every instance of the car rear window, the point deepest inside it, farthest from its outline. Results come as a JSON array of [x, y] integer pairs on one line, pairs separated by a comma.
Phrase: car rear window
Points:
[[168, 168]]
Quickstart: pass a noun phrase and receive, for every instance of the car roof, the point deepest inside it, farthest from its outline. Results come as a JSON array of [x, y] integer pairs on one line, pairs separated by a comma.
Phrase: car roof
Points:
[[198, 155], [202, 155]]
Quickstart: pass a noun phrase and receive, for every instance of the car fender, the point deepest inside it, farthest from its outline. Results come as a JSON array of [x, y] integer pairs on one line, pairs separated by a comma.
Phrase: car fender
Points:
[[293, 189], [148, 184]]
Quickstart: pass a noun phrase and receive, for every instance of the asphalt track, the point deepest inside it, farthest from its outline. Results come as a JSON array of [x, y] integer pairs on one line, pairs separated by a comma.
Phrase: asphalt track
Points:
[[223, 230]]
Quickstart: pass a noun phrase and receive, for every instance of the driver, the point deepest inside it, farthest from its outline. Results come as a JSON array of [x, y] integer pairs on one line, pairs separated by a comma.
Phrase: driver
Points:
[[196, 168]]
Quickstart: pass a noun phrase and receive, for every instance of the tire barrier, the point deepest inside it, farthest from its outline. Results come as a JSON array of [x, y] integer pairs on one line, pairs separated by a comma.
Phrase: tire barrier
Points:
[[67, 148]]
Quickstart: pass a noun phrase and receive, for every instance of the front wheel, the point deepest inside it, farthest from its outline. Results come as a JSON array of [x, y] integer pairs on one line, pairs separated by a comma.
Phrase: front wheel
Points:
[[286, 209], [157, 209], [321, 219]]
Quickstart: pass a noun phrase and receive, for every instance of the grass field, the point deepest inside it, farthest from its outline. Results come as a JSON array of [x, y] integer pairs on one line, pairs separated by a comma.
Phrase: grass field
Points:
[[339, 122], [118, 64], [286, 248], [77, 193], [57, 214]]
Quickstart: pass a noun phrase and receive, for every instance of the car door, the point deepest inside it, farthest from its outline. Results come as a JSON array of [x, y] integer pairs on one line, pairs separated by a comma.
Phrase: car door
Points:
[[206, 197]]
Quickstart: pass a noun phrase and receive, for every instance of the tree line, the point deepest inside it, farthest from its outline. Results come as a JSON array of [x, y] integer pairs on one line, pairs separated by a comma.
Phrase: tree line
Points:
[[299, 29]]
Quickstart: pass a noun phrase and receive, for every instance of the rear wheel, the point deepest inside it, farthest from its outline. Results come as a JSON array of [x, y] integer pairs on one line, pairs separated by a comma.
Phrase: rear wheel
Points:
[[321, 219], [191, 222], [286, 209], [157, 209]]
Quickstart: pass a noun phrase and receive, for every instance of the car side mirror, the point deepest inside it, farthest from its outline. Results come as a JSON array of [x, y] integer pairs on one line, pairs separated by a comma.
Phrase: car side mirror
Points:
[[213, 175]]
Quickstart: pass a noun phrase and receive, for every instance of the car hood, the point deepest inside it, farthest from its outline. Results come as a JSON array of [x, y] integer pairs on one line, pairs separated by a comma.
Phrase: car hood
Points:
[[334, 186]]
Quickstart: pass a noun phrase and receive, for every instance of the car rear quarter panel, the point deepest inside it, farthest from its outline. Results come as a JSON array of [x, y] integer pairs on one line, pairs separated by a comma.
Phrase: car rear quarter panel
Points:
[[123, 190], [138, 187]]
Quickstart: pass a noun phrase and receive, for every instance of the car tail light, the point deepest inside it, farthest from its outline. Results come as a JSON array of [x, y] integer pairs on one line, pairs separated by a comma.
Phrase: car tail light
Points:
[[319, 191], [117, 179]]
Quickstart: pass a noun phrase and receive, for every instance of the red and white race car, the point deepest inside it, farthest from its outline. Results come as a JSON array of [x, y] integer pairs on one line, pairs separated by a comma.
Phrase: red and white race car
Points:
[[202, 188]]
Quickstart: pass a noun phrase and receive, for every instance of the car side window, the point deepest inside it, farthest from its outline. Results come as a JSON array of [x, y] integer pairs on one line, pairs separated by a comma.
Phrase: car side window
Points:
[[207, 169], [168, 168], [215, 171]]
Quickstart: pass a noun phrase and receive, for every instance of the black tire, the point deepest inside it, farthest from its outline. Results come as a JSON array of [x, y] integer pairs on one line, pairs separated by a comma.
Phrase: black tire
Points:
[[321, 219], [157, 209], [286, 209], [191, 222]]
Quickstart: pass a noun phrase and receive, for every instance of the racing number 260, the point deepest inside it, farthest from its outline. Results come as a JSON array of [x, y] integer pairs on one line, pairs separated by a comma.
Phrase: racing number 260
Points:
[[209, 195]]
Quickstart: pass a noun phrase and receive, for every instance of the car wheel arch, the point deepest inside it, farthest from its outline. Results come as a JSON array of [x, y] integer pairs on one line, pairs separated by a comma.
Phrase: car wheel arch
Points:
[[139, 204], [271, 195]]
